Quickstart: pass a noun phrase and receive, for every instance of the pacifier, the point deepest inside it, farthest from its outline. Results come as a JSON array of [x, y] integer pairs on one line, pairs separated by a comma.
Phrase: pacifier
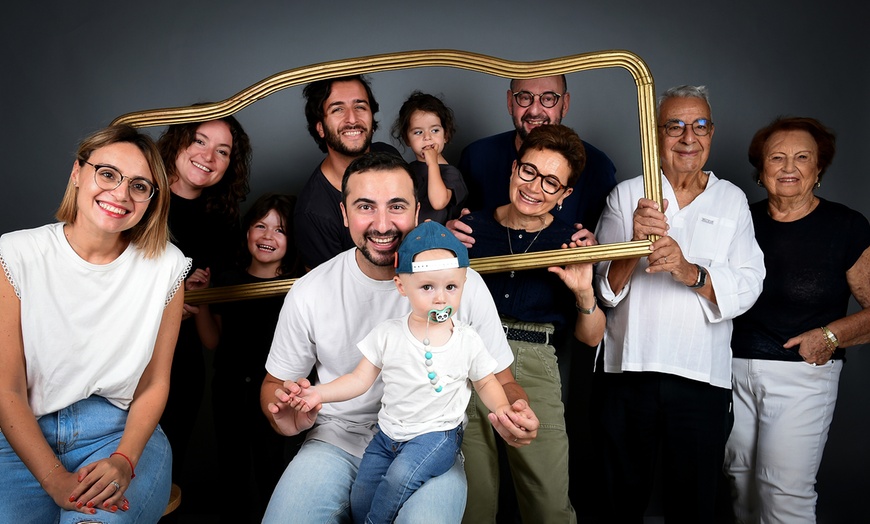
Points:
[[441, 315]]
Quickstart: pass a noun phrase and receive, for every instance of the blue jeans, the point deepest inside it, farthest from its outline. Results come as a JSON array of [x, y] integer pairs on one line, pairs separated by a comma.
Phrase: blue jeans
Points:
[[80, 434], [391, 471], [316, 486]]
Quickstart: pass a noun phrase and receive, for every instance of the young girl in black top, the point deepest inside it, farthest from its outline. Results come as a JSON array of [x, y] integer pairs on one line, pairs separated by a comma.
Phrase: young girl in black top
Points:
[[241, 333]]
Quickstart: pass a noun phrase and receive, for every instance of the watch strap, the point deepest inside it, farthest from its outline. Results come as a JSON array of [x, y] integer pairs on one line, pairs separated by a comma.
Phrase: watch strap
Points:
[[702, 277]]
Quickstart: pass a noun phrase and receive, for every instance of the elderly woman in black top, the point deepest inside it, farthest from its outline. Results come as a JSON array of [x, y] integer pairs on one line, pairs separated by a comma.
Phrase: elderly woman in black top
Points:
[[788, 349]]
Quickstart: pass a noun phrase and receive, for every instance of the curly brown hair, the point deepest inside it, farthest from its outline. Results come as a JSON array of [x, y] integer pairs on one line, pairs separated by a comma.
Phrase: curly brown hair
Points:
[[225, 196], [419, 101]]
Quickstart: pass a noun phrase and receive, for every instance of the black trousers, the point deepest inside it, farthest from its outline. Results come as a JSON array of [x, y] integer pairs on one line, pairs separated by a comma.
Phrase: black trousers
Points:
[[636, 416]]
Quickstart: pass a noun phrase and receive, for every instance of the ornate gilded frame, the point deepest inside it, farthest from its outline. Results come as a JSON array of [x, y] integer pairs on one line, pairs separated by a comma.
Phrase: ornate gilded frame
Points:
[[441, 58]]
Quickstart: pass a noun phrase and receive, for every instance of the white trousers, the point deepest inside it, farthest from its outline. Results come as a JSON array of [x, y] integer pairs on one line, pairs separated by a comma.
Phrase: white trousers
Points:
[[782, 413]]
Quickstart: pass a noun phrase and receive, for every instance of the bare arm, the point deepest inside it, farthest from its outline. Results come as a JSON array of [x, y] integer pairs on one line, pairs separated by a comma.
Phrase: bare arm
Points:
[[208, 326], [439, 193], [89, 487], [512, 389], [492, 394], [149, 399], [589, 326], [519, 425], [343, 388], [17, 422], [855, 329], [850, 330], [195, 281]]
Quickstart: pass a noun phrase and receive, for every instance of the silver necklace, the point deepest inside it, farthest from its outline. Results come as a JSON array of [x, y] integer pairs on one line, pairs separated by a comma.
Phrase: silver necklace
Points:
[[511, 247]]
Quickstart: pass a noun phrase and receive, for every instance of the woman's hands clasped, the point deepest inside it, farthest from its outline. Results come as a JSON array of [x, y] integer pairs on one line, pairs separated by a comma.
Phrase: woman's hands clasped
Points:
[[98, 485]]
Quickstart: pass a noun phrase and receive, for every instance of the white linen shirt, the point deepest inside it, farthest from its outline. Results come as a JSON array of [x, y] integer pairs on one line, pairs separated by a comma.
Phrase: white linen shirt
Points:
[[659, 324]]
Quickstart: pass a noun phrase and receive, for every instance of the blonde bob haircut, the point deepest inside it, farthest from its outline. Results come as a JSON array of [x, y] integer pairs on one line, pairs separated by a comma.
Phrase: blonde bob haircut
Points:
[[151, 233]]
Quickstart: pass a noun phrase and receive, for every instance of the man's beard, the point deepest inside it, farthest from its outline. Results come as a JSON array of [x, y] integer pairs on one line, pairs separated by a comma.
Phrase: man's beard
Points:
[[378, 258], [521, 129], [333, 140]]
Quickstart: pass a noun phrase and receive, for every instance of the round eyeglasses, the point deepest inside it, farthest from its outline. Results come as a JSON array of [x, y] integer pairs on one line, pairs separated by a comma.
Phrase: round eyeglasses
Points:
[[526, 98], [549, 183], [108, 178], [675, 128]]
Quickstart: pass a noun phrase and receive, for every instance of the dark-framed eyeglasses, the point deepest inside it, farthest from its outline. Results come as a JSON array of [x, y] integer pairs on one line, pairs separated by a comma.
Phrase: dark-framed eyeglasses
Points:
[[675, 128], [549, 183], [527, 98], [108, 178]]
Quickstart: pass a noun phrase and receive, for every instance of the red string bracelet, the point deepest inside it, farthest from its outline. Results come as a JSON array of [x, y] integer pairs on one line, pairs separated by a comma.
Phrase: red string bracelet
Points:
[[132, 469]]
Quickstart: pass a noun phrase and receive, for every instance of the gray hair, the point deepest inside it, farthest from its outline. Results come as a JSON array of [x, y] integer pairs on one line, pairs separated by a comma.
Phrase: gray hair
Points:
[[684, 91]]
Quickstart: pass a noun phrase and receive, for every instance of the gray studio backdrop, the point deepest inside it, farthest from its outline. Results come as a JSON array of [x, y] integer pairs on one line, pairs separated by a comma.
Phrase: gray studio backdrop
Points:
[[69, 68]]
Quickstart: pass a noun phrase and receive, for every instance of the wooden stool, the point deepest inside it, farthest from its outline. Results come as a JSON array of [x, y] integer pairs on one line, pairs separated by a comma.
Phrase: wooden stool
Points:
[[174, 499]]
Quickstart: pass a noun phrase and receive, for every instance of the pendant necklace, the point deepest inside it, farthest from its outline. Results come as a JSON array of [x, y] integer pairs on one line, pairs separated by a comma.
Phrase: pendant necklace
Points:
[[511, 248]]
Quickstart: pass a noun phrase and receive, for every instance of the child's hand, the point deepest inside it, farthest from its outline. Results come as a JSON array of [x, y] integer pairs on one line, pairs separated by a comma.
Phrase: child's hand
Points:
[[200, 279], [304, 399], [287, 420], [518, 425], [430, 154]]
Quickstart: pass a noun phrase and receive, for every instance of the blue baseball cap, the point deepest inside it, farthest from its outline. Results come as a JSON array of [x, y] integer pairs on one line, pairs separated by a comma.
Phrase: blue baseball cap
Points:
[[426, 236]]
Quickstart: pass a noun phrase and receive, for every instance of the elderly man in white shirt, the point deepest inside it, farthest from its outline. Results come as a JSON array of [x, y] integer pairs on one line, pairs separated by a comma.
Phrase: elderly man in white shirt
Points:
[[666, 381]]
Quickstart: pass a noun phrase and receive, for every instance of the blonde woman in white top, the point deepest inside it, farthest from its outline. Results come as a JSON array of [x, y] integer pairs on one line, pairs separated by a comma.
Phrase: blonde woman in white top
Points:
[[89, 313]]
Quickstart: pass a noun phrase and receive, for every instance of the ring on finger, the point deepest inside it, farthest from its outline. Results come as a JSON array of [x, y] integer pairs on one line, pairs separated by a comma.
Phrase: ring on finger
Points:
[[117, 486]]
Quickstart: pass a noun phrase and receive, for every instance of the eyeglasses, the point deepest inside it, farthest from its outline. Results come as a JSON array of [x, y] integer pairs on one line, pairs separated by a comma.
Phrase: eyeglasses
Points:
[[108, 178], [527, 98], [549, 183], [701, 127]]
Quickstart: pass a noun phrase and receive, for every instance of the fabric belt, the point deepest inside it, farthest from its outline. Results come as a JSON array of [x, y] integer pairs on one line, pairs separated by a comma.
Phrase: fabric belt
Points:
[[521, 335]]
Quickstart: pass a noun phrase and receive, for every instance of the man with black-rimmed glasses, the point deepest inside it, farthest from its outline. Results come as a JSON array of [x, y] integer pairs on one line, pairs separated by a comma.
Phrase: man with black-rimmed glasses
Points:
[[486, 163]]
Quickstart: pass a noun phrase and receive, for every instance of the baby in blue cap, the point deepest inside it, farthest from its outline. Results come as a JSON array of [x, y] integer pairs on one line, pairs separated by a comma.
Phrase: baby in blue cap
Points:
[[428, 362]]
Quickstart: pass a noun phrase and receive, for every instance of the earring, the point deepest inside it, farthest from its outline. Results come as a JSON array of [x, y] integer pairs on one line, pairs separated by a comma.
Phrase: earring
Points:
[[558, 207], [758, 182], [818, 183]]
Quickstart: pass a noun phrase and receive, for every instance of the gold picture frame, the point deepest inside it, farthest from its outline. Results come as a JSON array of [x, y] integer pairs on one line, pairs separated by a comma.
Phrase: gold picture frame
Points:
[[441, 58]]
